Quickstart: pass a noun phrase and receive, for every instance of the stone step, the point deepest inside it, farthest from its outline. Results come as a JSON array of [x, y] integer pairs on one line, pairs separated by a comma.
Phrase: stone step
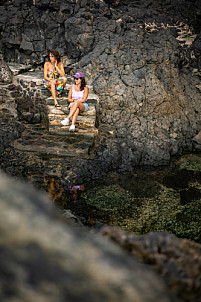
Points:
[[80, 133], [92, 99], [28, 74], [19, 68], [54, 111], [58, 141], [82, 121], [53, 145], [36, 130], [37, 77], [55, 150]]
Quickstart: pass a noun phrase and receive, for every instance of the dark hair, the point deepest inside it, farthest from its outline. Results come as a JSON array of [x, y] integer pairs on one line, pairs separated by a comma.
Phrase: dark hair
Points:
[[83, 83], [56, 54]]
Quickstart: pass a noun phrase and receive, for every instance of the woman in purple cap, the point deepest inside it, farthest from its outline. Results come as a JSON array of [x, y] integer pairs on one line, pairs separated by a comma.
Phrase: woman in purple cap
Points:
[[77, 98]]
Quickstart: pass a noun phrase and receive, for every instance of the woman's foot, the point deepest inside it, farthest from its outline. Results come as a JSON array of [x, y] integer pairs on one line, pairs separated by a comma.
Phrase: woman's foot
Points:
[[65, 122], [57, 106], [72, 128]]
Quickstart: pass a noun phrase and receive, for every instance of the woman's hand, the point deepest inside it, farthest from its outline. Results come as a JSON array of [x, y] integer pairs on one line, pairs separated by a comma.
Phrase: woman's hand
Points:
[[53, 82]]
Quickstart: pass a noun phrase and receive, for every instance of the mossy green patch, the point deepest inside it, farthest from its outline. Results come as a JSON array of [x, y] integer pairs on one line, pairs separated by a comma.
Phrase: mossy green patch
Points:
[[190, 162], [162, 212]]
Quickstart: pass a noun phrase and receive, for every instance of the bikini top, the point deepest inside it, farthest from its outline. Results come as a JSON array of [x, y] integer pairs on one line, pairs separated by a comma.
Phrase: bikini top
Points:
[[53, 75]]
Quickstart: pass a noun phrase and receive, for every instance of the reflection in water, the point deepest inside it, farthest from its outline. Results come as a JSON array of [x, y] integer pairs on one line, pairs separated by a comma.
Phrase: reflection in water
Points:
[[54, 189], [75, 190]]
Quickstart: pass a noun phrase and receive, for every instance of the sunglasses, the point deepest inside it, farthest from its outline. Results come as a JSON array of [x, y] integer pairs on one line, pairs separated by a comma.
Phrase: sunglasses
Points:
[[77, 78]]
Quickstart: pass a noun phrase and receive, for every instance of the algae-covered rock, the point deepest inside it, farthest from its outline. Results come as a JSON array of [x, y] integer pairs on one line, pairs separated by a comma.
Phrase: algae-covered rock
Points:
[[190, 162], [110, 198], [176, 210]]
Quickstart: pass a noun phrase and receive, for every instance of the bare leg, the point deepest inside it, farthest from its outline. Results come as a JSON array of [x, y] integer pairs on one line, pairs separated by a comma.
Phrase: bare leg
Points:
[[65, 81], [74, 107], [53, 91], [75, 115]]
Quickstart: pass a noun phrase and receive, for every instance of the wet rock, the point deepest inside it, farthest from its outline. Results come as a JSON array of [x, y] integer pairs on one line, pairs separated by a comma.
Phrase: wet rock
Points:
[[48, 259]]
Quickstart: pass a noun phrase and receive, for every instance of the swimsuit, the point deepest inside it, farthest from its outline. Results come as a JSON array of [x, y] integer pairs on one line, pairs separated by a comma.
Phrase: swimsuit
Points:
[[76, 95], [59, 82]]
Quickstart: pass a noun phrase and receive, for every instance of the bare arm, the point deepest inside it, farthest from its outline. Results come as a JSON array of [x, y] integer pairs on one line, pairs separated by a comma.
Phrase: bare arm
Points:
[[70, 100], [45, 71], [86, 92]]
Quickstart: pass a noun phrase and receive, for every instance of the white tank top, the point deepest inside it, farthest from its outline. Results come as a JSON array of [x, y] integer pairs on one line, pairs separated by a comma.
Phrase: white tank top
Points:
[[76, 95]]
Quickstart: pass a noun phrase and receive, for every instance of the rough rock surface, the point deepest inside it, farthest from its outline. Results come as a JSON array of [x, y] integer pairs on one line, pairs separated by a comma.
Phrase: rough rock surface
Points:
[[6, 75], [143, 59], [43, 258], [197, 142], [177, 261], [11, 127], [18, 106]]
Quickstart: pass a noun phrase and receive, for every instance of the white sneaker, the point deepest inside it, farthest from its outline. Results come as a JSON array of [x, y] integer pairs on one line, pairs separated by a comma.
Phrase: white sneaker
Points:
[[72, 128], [65, 122]]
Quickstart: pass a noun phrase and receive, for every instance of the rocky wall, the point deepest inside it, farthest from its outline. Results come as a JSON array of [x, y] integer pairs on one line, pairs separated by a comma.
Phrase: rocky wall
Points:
[[143, 60], [31, 104], [21, 103], [11, 127]]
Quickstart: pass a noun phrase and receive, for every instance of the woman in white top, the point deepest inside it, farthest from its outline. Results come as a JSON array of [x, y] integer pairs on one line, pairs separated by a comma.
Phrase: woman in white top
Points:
[[77, 98]]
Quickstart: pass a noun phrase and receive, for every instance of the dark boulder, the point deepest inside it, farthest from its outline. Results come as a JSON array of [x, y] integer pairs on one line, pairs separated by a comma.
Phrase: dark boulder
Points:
[[43, 258]]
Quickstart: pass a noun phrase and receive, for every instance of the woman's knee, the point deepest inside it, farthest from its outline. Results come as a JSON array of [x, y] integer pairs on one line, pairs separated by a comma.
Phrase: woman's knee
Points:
[[73, 106], [81, 106], [79, 103], [52, 86], [65, 80]]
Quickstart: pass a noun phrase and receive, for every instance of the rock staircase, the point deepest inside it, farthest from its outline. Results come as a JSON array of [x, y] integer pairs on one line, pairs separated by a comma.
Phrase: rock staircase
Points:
[[56, 140]]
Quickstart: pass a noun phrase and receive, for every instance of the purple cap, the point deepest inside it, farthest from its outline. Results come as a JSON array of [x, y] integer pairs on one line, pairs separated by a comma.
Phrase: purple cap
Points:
[[79, 75]]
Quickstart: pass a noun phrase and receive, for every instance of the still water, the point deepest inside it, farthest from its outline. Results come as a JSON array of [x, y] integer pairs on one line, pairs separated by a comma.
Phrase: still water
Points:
[[162, 199]]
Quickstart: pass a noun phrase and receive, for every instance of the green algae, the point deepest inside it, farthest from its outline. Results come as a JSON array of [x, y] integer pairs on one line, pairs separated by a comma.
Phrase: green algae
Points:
[[190, 162], [142, 215], [111, 198], [145, 200], [165, 200]]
